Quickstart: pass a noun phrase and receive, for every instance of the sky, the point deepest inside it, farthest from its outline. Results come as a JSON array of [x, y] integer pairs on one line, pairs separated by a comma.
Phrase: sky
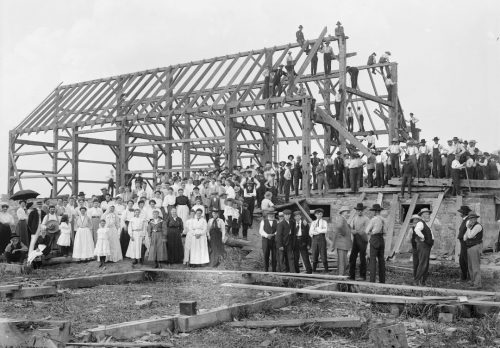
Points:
[[448, 51]]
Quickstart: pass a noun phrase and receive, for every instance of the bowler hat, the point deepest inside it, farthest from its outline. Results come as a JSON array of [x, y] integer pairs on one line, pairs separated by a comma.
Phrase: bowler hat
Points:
[[360, 206], [282, 162], [455, 139], [464, 209], [339, 153], [315, 153], [424, 210], [422, 141], [81, 193], [376, 207]]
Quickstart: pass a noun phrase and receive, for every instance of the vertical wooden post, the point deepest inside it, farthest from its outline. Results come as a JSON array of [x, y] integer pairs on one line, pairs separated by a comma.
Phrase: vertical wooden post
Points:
[[393, 110], [186, 146], [74, 160], [168, 127], [342, 87], [122, 159], [54, 163], [306, 146], [11, 183], [229, 141], [275, 138], [155, 168], [268, 140]]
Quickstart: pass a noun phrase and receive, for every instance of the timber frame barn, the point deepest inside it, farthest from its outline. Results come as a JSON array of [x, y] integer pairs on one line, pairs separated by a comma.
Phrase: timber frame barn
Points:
[[200, 110]]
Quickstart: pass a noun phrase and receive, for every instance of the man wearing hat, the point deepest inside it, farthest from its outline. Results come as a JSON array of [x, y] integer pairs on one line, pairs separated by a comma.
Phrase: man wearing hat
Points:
[[408, 173], [250, 187], [412, 152], [284, 243], [384, 58], [423, 159], [462, 258], [35, 218], [50, 223], [375, 230], [413, 127], [314, 164], [437, 149], [322, 182], [338, 170], [424, 240], [300, 36], [300, 231], [297, 175], [16, 251], [394, 152], [456, 167], [360, 242], [278, 74], [473, 239], [287, 176], [327, 51], [342, 239], [318, 230], [281, 172], [413, 222], [267, 230], [329, 165]]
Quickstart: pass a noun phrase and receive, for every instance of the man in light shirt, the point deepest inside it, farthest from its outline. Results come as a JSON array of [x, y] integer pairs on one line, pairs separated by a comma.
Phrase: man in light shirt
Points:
[[375, 230], [380, 160], [359, 244], [288, 181], [424, 240], [456, 167], [327, 51], [394, 153], [318, 231], [437, 149], [350, 119], [423, 159], [473, 239]]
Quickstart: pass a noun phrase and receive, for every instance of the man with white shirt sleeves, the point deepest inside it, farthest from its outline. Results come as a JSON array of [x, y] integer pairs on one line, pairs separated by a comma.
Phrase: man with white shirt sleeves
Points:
[[425, 241], [375, 230], [350, 119], [473, 239], [327, 51], [437, 149], [423, 159], [456, 167], [318, 231], [267, 230], [394, 153], [380, 160]]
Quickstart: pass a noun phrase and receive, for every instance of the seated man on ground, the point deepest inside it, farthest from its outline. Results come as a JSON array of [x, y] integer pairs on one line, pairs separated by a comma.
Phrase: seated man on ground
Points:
[[15, 251]]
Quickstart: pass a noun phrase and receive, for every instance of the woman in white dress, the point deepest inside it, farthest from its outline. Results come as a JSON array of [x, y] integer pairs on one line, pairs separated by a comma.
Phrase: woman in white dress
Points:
[[22, 226], [83, 248], [189, 236], [113, 225], [136, 231], [198, 248]]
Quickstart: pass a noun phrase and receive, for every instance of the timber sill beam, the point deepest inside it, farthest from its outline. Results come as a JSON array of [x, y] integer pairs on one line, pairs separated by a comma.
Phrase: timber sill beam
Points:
[[369, 97], [250, 127]]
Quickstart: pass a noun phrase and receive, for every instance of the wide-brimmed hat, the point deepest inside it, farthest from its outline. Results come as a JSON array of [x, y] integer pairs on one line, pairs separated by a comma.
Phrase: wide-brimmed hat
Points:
[[424, 210], [376, 207], [344, 208], [360, 206], [435, 138], [414, 217], [464, 209], [282, 162], [315, 153], [319, 210], [473, 216]]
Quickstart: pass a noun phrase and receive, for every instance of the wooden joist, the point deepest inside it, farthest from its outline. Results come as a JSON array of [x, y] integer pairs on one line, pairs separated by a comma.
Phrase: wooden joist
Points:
[[325, 323], [404, 227], [29, 292], [33, 143], [369, 97], [95, 280], [427, 182], [435, 207], [250, 127], [373, 298]]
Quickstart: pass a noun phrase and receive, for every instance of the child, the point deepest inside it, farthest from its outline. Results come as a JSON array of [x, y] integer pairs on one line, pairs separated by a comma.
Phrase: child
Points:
[[246, 220], [199, 205], [267, 201], [64, 240], [231, 216], [102, 249]]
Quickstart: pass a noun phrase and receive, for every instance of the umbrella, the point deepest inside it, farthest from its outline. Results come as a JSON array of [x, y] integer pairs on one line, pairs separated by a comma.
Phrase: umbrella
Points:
[[24, 195]]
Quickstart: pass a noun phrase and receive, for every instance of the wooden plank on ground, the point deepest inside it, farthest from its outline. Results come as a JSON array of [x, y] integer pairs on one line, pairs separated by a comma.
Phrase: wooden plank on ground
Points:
[[122, 344], [325, 323], [29, 292], [391, 221], [404, 227], [95, 280], [458, 222], [435, 207], [33, 333], [134, 328], [12, 268], [376, 298], [494, 184]]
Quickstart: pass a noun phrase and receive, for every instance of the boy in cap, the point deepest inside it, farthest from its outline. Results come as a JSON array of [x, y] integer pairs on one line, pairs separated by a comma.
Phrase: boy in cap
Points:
[[267, 230], [359, 244], [318, 231], [284, 243], [375, 230], [300, 230]]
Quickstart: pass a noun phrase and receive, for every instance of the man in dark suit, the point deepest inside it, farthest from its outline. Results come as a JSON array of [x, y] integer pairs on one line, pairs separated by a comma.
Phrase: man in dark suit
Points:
[[35, 218], [300, 233], [297, 175], [284, 243], [314, 164], [338, 170], [462, 260]]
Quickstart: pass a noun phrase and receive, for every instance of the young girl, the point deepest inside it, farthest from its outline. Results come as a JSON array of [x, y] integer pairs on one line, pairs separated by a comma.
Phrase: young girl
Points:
[[136, 233], [102, 249], [64, 240]]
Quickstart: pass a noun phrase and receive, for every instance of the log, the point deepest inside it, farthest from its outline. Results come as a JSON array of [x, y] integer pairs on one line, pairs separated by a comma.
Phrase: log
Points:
[[325, 323], [29, 292], [33, 333], [134, 328], [376, 298], [95, 280], [236, 242], [120, 344]]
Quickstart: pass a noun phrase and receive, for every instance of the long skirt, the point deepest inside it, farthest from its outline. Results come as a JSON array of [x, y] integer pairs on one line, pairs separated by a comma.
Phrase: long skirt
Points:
[[158, 247], [217, 250], [95, 226], [64, 239], [84, 244], [134, 250], [115, 253], [5, 233], [22, 232], [198, 251], [183, 213], [175, 250], [102, 248], [124, 239]]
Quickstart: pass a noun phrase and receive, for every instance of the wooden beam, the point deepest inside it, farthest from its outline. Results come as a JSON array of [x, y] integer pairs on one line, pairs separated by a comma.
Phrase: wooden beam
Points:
[[391, 221], [34, 143], [435, 208], [404, 227], [255, 152], [369, 97], [325, 323], [32, 153], [97, 130], [250, 127], [97, 280], [304, 212], [92, 141], [306, 143]]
